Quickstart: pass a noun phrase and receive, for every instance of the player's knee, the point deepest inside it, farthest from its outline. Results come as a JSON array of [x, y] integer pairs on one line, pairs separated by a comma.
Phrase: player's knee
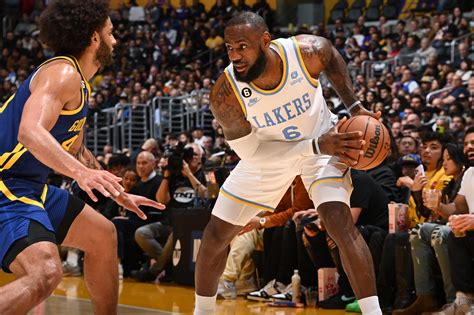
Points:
[[338, 221], [216, 236], [110, 233], [106, 236], [48, 278]]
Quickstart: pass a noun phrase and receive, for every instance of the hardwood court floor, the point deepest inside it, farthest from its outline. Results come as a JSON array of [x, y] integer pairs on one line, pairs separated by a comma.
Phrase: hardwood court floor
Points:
[[71, 298]]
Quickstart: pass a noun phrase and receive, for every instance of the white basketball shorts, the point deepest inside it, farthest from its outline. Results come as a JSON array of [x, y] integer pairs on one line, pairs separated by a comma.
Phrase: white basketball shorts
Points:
[[250, 188]]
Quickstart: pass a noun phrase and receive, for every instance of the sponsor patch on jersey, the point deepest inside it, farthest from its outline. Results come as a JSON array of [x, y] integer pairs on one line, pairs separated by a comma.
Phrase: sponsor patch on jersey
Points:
[[253, 101], [294, 78]]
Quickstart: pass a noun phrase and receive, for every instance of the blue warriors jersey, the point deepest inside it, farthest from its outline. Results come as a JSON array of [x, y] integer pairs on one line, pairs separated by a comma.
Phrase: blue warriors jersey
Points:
[[15, 160]]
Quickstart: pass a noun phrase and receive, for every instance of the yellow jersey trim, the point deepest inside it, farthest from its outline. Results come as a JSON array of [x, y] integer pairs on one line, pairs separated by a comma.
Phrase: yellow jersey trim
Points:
[[45, 192], [324, 180], [76, 65], [233, 84], [4, 106], [88, 87], [284, 58], [246, 202], [12, 197], [308, 76], [9, 158]]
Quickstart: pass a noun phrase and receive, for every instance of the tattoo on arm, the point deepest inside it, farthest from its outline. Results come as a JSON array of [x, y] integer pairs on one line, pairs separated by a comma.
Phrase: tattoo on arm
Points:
[[225, 90], [86, 157], [226, 109], [333, 65]]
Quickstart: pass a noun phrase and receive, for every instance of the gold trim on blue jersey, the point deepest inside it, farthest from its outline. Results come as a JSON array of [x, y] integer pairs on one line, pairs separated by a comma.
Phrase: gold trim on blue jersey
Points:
[[308, 76], [4, 189], [284, 77], [4, 106], [9, 158], [85, 84], [45, 192], [245, 202], [233, 84]]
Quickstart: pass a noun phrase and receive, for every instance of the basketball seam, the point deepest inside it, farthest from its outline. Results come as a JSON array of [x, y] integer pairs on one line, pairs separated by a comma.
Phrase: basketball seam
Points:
[[380, 149], [365, 133]]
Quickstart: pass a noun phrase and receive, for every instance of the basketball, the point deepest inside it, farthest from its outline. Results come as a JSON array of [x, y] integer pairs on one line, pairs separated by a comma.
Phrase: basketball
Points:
[[377, 141]]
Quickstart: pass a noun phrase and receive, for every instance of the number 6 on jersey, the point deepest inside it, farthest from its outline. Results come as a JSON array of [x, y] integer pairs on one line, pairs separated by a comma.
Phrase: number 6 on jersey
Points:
[[291, 133]]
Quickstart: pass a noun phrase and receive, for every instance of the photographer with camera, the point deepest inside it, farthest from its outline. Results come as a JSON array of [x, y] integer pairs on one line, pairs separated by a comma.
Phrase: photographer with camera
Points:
[[181, 187]]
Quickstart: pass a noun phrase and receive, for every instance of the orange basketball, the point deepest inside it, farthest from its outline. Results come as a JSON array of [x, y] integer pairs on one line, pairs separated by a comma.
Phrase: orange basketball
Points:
[[377, 141]]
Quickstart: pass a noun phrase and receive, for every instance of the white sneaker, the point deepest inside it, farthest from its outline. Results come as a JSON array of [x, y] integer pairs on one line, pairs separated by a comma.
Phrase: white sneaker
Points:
[[70, 271], [226, 290], [273, 287], [459, 307]]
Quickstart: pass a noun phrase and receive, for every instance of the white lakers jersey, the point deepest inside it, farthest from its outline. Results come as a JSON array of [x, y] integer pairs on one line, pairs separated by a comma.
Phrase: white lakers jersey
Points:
[[295, 110]]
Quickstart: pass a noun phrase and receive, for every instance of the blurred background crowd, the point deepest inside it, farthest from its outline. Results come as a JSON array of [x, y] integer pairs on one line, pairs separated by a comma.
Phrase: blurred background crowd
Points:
[[418, 71]]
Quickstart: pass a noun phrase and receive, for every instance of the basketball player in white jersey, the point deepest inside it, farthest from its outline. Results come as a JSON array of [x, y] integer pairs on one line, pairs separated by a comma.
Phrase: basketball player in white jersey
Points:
[[270, 105]]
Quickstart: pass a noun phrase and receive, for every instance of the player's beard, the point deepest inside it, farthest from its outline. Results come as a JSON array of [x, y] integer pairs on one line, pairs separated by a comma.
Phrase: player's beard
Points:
[[103, 55], [255, 70]]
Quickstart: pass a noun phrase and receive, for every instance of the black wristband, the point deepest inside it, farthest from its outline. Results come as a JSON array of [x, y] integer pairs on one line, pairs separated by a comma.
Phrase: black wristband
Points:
[[165, 177]]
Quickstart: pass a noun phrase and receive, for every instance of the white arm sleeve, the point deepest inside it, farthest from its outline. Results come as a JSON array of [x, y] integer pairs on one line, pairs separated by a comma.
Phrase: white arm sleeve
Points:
[[249, 148]]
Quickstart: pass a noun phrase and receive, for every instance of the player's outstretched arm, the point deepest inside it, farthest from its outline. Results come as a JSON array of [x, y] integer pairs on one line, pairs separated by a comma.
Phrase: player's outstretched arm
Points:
[[321, 56], [240, 135], [54, 87]]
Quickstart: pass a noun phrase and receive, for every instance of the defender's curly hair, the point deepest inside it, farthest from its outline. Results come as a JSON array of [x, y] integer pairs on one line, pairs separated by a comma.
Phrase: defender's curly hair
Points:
[[66, 26]]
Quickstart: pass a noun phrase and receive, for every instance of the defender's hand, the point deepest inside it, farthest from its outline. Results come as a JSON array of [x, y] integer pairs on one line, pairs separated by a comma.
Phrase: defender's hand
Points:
[[341, 144], [106, 183], [132, 203]]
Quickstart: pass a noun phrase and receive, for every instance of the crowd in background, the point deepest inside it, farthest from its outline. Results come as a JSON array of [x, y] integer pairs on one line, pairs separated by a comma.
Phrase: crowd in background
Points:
[[166, 51]]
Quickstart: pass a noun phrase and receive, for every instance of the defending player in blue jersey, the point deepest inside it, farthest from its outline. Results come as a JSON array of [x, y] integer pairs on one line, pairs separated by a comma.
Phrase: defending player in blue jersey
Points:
[[42, 129]]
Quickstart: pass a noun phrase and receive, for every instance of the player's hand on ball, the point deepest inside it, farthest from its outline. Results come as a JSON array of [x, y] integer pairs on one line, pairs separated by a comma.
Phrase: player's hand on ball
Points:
[[132, 203], [342, 144]]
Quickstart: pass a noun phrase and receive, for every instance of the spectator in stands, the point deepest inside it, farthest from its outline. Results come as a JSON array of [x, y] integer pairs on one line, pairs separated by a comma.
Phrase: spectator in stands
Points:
[[129, 180], [464, 55], [407, 83], [408, 51], [430, 246], [128, 250], [461, 247], [150, 145], [457, 90], [407, 145]]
